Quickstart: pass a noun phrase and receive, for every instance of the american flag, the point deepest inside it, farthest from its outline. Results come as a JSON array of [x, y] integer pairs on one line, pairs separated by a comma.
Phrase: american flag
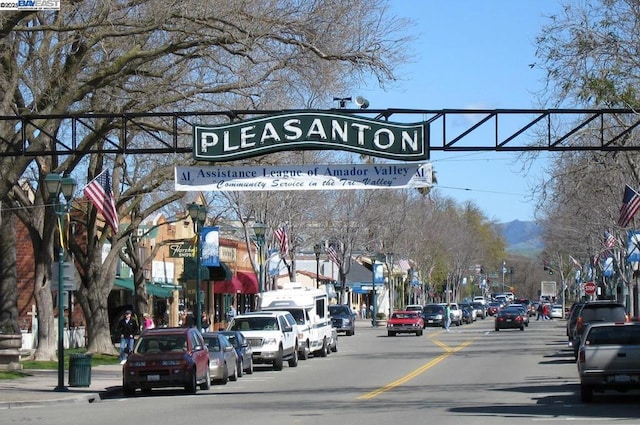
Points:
[[98, 191], [609, 240], [333, 255], [404, 265], [630, 206], [283, 239]]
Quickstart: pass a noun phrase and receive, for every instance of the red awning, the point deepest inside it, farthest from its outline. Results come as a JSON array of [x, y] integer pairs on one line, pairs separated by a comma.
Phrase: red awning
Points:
[[233, 286], [249, 282]]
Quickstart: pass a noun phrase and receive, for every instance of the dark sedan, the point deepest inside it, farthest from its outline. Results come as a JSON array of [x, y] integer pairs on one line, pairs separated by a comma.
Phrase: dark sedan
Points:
[[433, 315], [509, 318], [243, 349]]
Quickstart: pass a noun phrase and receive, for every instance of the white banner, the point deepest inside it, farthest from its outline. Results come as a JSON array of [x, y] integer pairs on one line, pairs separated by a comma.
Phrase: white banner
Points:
[[304, 177]]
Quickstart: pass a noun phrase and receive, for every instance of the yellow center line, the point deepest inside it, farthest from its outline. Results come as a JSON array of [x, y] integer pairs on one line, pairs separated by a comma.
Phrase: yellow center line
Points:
[[388, 387]]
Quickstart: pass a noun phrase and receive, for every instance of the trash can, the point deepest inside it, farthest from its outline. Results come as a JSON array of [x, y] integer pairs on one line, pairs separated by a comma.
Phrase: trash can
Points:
[[80, 370]]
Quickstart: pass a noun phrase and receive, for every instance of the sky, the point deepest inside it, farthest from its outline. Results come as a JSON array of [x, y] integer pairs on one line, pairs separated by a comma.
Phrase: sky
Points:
[[473, 55]]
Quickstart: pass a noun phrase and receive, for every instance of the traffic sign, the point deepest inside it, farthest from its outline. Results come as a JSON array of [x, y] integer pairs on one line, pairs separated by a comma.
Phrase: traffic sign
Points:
[[590, 288]]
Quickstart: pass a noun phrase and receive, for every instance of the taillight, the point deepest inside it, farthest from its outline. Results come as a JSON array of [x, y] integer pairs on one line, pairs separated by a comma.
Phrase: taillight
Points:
[[579, 324]]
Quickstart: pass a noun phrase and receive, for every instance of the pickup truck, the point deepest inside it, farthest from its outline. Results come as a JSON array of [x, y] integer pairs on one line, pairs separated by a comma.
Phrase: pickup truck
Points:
[[609, 358]]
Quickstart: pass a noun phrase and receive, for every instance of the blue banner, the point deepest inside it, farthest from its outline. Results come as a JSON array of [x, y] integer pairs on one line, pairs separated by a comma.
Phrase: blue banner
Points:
[[210, 249], [633, 246]]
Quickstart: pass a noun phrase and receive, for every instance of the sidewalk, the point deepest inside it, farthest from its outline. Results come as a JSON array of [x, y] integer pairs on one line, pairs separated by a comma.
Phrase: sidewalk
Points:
[[38, 388]]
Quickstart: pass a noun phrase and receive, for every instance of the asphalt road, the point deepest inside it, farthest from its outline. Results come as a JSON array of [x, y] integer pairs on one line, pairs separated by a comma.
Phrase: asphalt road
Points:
[[471, 374]]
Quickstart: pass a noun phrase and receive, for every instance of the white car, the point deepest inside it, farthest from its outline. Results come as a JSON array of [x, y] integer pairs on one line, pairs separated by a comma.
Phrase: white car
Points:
[[556, 312]]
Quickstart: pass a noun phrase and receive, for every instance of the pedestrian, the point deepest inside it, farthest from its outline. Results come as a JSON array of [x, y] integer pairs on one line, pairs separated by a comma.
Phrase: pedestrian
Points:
[[205, 322], [539, 310], [363, 311], [128, 329], [545, 311], [231, 313], [148, 322], [447, 317]]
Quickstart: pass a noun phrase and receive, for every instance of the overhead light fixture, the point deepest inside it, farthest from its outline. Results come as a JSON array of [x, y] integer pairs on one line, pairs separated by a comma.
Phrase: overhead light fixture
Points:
[[362, 102]]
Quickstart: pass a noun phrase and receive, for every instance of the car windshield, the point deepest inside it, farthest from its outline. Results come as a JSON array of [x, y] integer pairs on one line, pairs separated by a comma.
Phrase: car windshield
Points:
[[604, 314], [407, 315], [212, 343], [157, 344], [232, 339], [254, 324], [433, 309], [335, 310]]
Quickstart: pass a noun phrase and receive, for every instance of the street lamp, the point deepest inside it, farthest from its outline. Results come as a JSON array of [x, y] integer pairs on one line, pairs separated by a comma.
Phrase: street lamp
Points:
[[316, 250], [55, 185], [389, 258], [198, 213], [259, 228]]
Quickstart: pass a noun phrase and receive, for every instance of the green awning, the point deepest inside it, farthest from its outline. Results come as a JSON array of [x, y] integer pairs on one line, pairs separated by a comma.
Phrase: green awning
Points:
[[152, 289]]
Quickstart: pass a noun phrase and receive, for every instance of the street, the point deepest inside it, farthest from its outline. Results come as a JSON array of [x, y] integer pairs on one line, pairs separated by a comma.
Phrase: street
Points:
[[471, 373]]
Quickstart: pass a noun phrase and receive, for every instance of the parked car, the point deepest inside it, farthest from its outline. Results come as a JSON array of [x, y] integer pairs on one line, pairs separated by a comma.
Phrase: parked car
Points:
[[467, 313], [609, 358], [343, 319], [556, 312], [413, 307], [593, 312], [433, 315], [572, 316], [223, 358], [167, 357], [405, 322], [509, 318], [243, 349], [481, 309]]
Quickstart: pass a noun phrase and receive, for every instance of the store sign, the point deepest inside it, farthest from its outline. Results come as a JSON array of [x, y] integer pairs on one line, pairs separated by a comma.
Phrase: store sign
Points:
[[310, 130]]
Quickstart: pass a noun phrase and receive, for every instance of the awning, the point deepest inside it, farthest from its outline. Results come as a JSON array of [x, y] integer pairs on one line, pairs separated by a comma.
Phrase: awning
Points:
[[249, 282], [152, 289], [231, 286]]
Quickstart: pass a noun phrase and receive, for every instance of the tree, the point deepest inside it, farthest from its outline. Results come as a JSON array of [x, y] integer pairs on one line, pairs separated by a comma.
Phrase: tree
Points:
[[150, 56]]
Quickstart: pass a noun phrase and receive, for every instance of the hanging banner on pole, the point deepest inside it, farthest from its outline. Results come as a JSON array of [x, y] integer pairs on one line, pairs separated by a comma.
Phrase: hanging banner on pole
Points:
[[304, 177]]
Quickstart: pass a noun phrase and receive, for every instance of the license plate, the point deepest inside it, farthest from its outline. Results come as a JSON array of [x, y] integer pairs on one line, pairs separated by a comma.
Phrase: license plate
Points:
[[622, 378], [509, 320], [153, 378], [429, 321]]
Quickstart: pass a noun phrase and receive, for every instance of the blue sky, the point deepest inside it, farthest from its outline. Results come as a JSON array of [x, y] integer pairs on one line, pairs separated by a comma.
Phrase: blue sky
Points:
[[472, 55]]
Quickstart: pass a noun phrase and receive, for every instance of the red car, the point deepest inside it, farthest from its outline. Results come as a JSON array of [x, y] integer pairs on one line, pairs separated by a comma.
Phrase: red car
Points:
[[167, 357], [493, 308], [405, 322]]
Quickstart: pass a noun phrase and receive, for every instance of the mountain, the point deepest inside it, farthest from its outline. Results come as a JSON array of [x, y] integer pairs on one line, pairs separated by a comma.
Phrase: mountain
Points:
[[522, 237]]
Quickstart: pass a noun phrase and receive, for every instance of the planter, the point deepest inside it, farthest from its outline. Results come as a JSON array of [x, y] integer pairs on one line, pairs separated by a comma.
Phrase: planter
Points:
[[10, 341]]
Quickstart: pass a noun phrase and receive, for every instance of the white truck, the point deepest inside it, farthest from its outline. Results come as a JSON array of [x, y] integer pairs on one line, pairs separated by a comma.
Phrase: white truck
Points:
[[310, 309]]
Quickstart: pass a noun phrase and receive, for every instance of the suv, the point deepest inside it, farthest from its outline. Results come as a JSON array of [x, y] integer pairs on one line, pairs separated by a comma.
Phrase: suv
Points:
[[591, 312], [167, 357], [273, 336], [343, 318]]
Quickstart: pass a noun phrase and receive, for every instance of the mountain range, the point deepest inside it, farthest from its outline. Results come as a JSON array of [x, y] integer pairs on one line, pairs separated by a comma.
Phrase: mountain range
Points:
[[522, 237]]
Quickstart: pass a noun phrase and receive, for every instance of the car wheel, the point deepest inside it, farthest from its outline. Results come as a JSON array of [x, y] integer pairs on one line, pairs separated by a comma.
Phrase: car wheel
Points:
[[521, 328], [293, 362], [250, 368], [419, 333], [240, 367], [391, 333], [334, 347], [128, 391], [206, 385], [277, 363], [234, 376], [351, 332], [497, 329], [192, 386], [586, 393], [304, 353], [325, 348]]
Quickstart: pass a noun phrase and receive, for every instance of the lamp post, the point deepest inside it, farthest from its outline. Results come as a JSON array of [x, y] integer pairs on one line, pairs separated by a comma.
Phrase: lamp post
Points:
[[389, 258], [198, 213], [259, 228], [55, 185], [374, 321], [316, 250]]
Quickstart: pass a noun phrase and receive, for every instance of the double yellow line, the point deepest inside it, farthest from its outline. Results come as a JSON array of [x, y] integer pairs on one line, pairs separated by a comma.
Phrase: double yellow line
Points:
[[448, 352]]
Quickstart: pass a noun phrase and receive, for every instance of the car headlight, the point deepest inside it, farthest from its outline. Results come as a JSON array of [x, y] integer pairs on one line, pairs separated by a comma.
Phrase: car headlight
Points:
[[269, 341], [171, 362], [439, 316]]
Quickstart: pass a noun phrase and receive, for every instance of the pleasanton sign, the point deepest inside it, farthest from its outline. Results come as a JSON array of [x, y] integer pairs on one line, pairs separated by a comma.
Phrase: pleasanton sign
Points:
[[310, 130]]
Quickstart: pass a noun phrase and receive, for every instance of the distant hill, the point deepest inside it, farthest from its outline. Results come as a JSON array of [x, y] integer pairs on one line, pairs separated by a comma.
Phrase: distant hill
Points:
[[522, 237]]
